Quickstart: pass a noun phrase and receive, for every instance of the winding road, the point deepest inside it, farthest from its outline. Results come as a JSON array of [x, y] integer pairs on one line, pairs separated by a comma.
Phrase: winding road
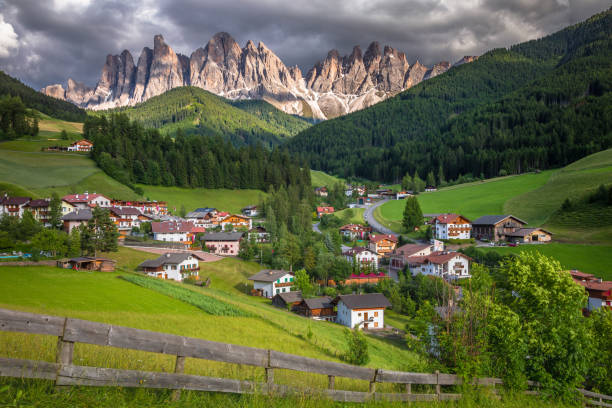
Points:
[[368, 216]]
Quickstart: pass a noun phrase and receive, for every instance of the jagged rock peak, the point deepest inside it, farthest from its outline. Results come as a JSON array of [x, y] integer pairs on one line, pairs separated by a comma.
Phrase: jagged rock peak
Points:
[[335, 85]]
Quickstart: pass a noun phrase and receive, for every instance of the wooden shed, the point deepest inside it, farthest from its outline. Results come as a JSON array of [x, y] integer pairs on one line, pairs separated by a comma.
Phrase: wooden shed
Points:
[[287, 298], [89, 263]]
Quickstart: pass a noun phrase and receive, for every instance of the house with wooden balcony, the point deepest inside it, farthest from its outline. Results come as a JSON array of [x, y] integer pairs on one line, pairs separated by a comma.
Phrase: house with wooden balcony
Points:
[[173, 266], [40, 210], [443, 264], [270, 282], [496, 227], [362, 258], [382, 244], [452, 226], [236, 221], [13, 206], [223, 243]]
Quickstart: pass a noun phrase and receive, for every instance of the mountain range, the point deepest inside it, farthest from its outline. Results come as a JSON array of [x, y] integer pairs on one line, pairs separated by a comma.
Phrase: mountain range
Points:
[[536, 105], [333, 87]]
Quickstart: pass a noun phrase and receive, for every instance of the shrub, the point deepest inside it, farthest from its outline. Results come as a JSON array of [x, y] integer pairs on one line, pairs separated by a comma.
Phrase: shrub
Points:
[[357, 347]]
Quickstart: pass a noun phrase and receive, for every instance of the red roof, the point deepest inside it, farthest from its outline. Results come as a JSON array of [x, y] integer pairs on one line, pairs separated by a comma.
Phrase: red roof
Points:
[[380, 237], [578, 275], [82, 142], [171, 227], [325, 209], [196, 230], [439, 257], [446, 218], [81, 198], [409, 249]]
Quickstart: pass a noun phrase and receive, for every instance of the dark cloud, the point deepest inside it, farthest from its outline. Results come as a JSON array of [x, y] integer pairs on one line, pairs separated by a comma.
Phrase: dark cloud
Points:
[[43, 42]]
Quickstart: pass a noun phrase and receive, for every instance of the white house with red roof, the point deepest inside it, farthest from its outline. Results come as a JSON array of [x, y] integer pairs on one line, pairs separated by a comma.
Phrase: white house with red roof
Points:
[[173, 231], [452, 226], [321, 211], [87, 200], [444, 264], [362, 257], [82, 145]]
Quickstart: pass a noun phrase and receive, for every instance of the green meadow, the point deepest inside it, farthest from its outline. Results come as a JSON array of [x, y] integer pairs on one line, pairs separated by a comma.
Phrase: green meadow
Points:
[[470, 199], [191, 198], [321, 179], [535, 198], [105, 298]]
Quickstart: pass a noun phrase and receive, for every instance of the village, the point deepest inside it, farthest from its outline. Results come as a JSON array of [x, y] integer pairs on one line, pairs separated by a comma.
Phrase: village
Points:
[[208, 233]]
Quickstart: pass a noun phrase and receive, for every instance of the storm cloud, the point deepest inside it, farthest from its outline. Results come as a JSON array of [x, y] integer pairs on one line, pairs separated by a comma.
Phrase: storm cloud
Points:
[[45, 42]]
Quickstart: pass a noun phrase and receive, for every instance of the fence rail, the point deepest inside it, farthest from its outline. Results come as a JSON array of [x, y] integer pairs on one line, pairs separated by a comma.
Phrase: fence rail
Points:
[[70, 331]]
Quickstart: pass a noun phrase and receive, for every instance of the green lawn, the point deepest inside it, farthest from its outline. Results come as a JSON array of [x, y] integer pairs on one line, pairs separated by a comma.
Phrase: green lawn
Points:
[[355, 218], [224, 200], [534, 198], [471, 199], [44, 173], [320, 179], [574, 182], [587, 258]]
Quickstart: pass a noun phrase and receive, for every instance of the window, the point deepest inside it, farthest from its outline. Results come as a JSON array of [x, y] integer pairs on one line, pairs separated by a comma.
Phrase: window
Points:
[[358, 314], [375, 314], [375, 324]]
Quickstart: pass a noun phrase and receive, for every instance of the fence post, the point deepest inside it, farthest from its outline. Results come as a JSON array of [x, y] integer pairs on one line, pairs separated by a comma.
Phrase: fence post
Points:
[[373, 382], [179, 368], [331, 383], [408, 388], [64, 354], [438, 392], [269, 373]]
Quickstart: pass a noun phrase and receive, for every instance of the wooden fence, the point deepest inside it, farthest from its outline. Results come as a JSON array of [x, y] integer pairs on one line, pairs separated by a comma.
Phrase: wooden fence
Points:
[[70, 331]]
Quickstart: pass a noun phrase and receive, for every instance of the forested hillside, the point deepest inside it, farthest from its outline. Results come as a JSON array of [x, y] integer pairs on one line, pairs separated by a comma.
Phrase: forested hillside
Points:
[[540, 104], [197, 111], [35, 100], [132, 154]]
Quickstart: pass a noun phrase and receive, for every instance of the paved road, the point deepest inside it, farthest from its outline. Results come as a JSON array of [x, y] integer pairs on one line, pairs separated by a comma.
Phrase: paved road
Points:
[[368, 216]]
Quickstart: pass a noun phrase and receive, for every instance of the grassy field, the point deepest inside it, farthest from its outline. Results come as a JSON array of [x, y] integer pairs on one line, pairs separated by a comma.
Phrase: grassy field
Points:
[[103, 297], [587, 258], [355, 218], [470, 199], [320, 179], [225, 200], [534, 198], [27, 393], [25, 170], [44, 173]]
